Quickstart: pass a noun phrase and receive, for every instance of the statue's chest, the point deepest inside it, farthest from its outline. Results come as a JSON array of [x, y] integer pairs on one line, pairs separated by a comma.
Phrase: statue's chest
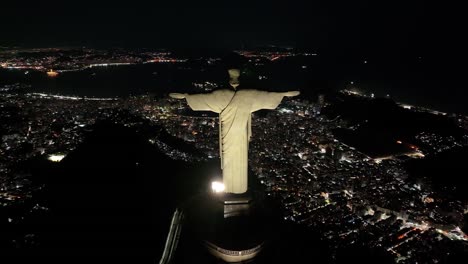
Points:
[[241, 101], [238, 110]]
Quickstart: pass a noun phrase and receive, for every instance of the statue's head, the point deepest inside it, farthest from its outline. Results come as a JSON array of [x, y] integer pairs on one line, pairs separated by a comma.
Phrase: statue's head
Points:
[[234, 77]]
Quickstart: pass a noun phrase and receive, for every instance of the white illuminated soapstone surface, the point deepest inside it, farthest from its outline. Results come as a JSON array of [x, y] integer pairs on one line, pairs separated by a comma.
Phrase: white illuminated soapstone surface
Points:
[[235, 110]]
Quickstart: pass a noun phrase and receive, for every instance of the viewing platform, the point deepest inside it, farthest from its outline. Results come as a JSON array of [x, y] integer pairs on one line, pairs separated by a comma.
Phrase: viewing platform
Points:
[[233, 256]]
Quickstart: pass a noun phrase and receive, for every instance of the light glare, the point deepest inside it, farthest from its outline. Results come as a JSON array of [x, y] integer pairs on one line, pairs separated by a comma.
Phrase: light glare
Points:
[[217, 187], [56, 157]]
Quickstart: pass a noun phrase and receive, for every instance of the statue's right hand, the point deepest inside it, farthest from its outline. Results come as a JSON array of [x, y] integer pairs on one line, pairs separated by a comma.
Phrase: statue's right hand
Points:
[[292, 93], [177, 95]]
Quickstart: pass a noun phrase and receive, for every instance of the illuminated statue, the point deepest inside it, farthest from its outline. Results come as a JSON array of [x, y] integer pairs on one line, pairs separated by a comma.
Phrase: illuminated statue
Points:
[[235, 112]]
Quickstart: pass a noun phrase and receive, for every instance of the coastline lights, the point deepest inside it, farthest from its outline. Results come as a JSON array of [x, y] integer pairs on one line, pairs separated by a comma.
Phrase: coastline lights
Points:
[[217, 186], [52, 73]]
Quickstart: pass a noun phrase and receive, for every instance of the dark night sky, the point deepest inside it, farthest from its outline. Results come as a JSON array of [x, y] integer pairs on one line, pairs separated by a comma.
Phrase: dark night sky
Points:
[[392, 31], [362, 26]]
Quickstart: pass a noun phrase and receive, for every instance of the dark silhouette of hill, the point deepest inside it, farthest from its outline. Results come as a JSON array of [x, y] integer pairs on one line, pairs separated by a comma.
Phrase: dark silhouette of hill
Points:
[[381, 122], [110, 198], [385, 114], [447, 171]]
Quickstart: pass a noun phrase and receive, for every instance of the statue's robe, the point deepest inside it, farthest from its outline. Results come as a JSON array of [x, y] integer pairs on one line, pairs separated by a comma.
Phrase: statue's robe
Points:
[[235, 112]]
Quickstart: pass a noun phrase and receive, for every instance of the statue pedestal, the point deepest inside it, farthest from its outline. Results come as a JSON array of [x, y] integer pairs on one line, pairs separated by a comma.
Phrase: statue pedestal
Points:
[[232, 227], [236, 204]]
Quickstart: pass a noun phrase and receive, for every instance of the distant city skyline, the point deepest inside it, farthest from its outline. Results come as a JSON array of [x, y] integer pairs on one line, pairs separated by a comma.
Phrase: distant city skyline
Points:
[[404, 78], [356, 26]]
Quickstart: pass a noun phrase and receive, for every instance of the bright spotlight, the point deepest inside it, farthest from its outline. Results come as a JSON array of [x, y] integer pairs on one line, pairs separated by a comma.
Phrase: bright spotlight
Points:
[[56, 157], [217, 187]]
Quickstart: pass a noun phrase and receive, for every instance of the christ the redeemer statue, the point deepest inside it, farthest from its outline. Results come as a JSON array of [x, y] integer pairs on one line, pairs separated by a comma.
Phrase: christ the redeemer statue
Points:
[[235, 110]]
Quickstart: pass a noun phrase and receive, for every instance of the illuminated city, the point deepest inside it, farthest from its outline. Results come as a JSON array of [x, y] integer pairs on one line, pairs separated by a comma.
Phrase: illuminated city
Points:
[[99, 158]]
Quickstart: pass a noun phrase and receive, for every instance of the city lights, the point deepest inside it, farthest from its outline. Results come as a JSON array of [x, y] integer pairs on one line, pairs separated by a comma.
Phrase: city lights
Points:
[[52, 73], [331, 164]]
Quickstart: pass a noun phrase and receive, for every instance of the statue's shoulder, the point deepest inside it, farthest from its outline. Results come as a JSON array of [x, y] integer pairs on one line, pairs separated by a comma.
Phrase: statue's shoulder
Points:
[[247, 91], [223, 91]]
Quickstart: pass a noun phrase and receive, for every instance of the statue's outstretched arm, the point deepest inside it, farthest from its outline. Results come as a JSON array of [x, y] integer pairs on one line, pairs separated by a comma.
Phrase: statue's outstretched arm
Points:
[[215, 101], [269, 100]]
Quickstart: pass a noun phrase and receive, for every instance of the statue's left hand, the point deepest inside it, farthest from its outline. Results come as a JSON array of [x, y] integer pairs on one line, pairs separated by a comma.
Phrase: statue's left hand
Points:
[[177, 95], [292, 93]]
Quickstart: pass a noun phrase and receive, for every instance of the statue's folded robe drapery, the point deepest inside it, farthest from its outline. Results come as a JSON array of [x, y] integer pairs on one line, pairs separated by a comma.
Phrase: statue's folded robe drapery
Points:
[[235, 112]]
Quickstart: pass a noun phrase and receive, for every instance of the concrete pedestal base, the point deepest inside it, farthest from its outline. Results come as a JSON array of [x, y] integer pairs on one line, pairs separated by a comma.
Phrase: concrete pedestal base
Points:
[[236, 204], [233, 227]]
